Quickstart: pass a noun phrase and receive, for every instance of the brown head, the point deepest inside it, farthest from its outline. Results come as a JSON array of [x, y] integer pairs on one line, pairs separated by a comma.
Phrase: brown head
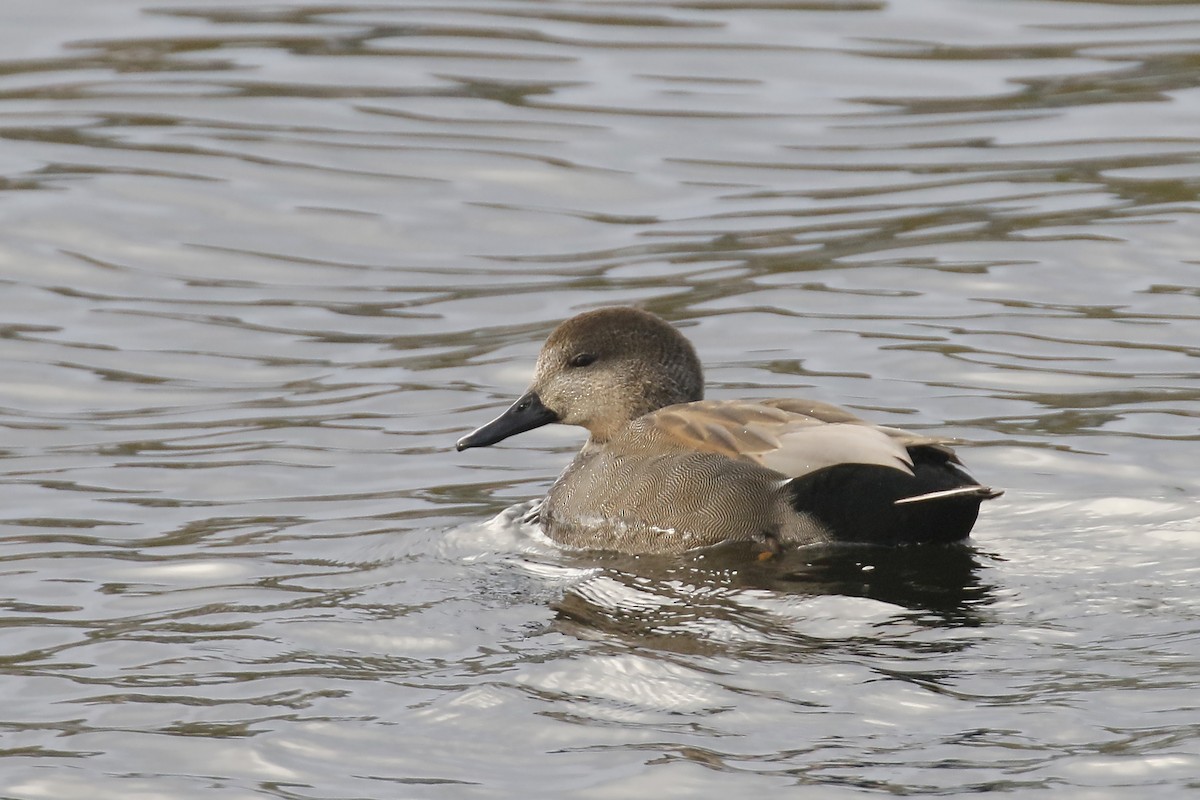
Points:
[[601, 370]]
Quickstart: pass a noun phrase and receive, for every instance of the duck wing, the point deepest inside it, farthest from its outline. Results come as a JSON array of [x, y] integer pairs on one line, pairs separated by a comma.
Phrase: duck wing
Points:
[[792, 437]]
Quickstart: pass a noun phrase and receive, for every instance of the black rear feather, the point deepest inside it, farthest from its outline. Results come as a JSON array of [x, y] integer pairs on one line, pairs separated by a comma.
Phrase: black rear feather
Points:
[[857, 502]]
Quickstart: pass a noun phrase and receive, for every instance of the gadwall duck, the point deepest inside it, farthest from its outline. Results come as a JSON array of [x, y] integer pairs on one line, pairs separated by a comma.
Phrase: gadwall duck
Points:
[[665, 471]]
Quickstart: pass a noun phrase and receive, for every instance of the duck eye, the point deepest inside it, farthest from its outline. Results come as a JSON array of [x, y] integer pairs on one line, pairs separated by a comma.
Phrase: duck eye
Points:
[[582, 359]]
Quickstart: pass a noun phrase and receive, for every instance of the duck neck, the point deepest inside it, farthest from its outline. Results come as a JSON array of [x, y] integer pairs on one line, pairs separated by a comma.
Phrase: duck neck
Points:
[[602, 434]]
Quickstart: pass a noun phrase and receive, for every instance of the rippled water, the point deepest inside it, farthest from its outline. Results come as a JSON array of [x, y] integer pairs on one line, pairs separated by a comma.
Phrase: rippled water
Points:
[[262, 264]]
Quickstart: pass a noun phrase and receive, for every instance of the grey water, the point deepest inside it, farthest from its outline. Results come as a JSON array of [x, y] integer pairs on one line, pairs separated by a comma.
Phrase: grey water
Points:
[[261, 265]]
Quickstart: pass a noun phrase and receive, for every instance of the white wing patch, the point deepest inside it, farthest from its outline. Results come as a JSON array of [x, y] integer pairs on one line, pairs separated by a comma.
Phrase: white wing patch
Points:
[[812, 447]]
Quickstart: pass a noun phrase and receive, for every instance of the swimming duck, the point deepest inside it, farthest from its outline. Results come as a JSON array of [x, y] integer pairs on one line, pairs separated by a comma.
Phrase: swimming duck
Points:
[[665, 471]]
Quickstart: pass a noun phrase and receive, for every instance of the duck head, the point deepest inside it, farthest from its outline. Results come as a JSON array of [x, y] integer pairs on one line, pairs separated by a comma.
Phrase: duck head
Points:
[[601, 370]]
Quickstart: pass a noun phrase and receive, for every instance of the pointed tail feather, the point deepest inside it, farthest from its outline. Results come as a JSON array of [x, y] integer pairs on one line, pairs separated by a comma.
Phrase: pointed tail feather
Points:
[[981, 492]]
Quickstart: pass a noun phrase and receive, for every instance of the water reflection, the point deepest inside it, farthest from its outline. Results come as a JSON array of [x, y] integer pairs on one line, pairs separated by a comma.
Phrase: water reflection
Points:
[[725, 600], [944, 580]]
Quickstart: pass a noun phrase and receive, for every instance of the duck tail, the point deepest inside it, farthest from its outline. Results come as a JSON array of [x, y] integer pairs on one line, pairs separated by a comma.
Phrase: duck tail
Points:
[[974, 491]]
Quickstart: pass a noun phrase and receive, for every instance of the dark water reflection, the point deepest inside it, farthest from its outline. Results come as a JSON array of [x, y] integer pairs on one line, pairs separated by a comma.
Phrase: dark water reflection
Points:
[[261, 265], [728, 604], [940, 579]]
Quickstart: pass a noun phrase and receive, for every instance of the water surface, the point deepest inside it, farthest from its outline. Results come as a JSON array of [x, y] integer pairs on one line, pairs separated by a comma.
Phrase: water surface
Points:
[[261, 265]]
